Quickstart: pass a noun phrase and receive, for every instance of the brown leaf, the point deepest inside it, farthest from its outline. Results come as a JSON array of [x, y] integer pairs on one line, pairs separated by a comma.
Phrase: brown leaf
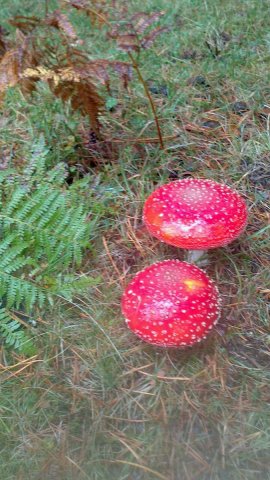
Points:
[[20, 37], [25, 24], [143, 20], [61, 22], [16, 60], [9, 70], [3, 43], [79, 4], [98, 70], [27, 84], [83, 96], [124, 70], [69, 84], [96, 14], [43, 73], [148, 40], [114, 31], [128, 42]]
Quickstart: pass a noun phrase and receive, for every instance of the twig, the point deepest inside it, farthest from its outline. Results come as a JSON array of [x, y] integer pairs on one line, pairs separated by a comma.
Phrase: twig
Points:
[[143, 82], [132, 464], [147, 92], [112, 261], [99, 15], [77, 466], [145, 139]]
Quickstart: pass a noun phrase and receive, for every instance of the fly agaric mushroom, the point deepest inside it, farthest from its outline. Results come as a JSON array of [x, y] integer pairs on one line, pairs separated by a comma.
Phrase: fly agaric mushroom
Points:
[[195, 214], [171, 304]]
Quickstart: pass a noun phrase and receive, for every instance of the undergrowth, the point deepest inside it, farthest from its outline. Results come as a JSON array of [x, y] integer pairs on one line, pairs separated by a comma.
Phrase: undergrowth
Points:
[[92, 401], [44, 231]]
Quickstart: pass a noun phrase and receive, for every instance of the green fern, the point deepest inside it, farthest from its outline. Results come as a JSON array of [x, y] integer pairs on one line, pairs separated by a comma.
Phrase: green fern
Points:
[[43, 232], [13, 334]]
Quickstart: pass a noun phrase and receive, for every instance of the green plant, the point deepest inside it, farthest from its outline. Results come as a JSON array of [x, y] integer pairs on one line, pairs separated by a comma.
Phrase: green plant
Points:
[[79, 409], [43, 230]]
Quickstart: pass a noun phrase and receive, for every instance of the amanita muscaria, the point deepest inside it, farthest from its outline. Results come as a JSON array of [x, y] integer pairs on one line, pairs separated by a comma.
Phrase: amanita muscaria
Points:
[[171, 303], [195, 214]]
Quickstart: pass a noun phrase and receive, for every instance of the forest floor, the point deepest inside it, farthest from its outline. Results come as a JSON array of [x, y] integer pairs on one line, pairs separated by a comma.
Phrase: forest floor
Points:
[[95, 402]]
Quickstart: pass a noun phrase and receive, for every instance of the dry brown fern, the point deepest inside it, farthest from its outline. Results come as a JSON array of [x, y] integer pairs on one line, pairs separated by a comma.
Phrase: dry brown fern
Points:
[[130, 36], [60, 21], [96, 11], [69, 72], [69, 84], [15, 61], [25, 24], [9, 70], [3, 43]]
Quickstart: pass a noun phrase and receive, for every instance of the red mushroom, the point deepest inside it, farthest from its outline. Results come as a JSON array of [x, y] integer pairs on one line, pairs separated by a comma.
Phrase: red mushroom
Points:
[[195, 214], [171, 303]]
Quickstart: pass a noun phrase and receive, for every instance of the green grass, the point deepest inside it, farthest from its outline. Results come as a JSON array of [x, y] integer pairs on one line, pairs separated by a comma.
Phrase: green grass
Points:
[[96, 403]]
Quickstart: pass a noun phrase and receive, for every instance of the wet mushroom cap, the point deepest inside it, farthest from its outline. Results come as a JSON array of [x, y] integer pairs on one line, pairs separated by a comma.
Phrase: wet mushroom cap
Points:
[[171, 303], [195, 214]]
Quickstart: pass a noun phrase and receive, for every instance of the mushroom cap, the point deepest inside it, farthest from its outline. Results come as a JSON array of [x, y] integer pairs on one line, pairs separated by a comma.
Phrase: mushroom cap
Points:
[[171, 304], [195, 214]]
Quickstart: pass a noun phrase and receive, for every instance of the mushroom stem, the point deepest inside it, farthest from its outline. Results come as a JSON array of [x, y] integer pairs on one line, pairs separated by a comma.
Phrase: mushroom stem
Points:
[[193, 256]]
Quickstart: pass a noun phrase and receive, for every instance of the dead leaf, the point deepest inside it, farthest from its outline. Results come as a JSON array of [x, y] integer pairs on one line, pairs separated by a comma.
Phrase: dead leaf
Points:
[[3, 42], [83, 96], [128, 42], [9, 70], [98, 69], [96, 13], [124, 69], [79, 4], [148, 40], [143, 20], [61, 22], [25, 24]]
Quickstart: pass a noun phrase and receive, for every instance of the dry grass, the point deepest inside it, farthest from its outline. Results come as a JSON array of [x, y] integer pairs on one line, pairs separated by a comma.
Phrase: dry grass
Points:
[[95, 402]]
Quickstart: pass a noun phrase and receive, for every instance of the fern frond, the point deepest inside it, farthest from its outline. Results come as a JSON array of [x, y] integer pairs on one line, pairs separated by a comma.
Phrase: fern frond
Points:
[[60, 21], [12, 254], [44, 230], [12, 332], [19, 292], [15, 201], [70, 84], [4, 244]]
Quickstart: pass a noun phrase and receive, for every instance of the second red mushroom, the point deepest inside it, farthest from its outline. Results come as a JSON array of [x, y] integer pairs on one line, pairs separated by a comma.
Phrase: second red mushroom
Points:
[[195, 214], [171, 304]]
